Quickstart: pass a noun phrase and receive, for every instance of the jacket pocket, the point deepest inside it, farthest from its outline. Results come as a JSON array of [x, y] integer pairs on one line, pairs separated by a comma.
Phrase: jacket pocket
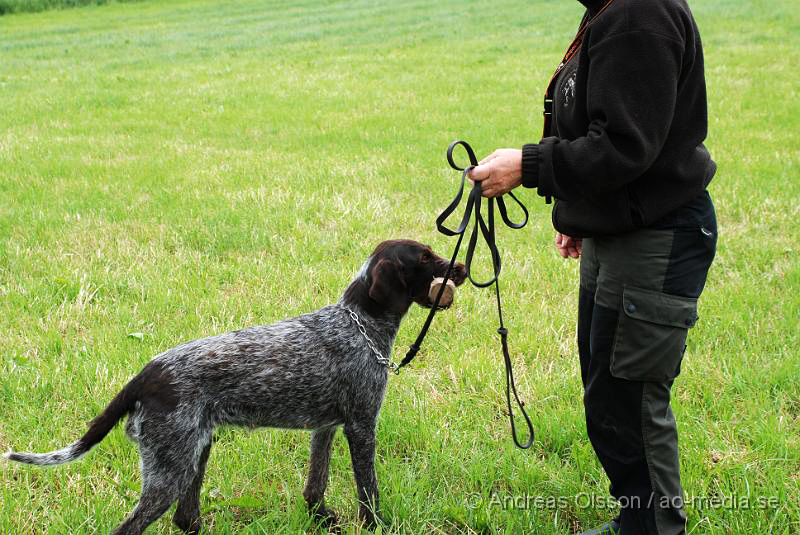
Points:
[[651, 335]]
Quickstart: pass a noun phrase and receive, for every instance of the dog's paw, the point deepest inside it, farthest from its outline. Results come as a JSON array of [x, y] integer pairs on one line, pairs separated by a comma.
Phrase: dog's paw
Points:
[[189, 524], [326, 518]]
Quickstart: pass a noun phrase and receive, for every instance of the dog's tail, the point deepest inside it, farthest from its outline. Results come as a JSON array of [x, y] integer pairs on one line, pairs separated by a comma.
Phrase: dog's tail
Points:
[[121, 405]]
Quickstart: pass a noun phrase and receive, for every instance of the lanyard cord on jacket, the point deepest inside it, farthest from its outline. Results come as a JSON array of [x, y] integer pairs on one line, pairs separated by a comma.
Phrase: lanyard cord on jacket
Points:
[[486, 228]]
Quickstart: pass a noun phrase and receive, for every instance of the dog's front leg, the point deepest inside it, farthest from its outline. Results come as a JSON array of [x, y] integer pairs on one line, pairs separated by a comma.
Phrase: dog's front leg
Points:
[[317, 481], [361, 438]]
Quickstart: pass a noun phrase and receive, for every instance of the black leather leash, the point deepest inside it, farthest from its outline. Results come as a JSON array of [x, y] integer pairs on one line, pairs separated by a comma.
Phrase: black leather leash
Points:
[[487, 231]]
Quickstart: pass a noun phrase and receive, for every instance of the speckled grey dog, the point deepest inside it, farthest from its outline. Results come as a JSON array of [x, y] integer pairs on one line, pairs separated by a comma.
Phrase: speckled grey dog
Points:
[[316, 371]]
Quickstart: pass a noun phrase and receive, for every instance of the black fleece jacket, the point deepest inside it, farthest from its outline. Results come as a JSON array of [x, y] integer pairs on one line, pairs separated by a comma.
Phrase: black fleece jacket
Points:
[[625, 145]]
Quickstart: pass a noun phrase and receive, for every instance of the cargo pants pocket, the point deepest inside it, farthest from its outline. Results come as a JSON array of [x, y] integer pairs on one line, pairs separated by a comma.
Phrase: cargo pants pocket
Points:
[[651, 335]]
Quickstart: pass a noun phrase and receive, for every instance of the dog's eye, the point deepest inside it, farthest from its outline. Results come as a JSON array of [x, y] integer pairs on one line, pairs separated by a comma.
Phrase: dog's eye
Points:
[[426, 257]]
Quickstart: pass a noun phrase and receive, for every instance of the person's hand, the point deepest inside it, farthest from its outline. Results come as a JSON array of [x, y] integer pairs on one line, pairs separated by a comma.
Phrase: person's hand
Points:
[[567, 246], [499, 173]]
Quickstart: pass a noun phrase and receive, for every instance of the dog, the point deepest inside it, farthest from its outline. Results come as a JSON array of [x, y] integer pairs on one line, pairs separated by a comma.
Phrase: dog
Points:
[[316, 372]]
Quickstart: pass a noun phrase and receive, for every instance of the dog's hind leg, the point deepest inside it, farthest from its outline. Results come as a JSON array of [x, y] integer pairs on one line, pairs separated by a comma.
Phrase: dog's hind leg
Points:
[[187, 514], [170, 446], [314, 492], [161, 484]]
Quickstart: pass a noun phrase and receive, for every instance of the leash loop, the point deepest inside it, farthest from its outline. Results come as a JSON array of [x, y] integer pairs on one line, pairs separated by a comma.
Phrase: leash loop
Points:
[[486, 228], [473, 160]]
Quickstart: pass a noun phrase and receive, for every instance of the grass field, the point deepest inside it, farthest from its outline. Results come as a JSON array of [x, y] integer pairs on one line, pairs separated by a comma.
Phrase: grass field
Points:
[[33, 6], [171, 170]]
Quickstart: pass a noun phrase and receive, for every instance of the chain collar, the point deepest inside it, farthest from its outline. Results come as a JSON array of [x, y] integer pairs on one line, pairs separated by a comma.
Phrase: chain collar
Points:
[[383, 361]]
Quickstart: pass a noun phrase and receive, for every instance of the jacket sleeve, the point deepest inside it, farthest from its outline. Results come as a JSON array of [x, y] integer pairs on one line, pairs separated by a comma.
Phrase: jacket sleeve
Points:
[[631, 90]]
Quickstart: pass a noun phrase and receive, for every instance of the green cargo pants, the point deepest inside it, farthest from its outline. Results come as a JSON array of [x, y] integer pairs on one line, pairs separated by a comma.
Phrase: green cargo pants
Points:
[[638, 300]]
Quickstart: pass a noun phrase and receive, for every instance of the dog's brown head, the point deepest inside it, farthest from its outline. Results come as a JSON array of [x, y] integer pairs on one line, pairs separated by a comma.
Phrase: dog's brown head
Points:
[[398, 273], [401, 271]]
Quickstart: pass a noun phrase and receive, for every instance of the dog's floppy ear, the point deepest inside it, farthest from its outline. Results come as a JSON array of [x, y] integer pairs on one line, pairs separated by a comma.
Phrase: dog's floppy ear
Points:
[[388, 287]]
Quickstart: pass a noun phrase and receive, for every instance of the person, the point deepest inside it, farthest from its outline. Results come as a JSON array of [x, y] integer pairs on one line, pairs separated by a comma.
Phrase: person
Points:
[[623, 157]]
